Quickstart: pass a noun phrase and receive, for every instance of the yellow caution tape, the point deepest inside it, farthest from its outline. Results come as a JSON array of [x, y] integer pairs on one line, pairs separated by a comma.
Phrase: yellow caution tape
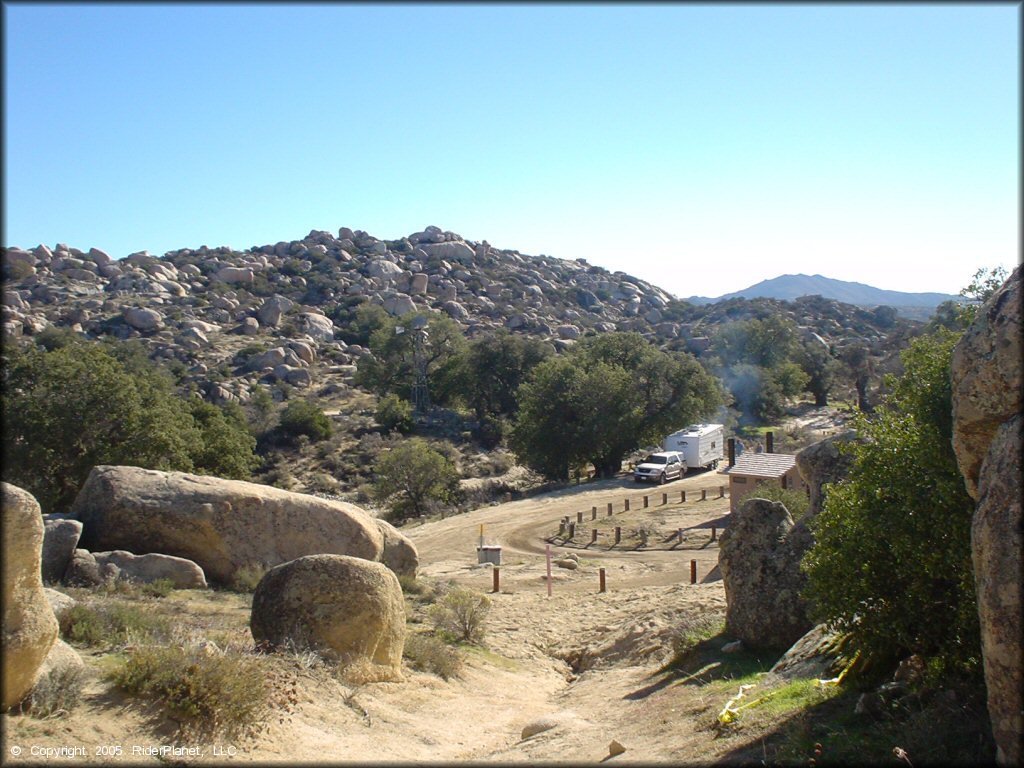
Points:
[[839, 679]]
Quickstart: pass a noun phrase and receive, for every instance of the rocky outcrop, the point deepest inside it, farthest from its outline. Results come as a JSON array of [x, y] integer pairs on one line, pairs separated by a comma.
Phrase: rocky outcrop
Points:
[[987, 424], [224, 525], [349, 609], [987, 378], [824, 462], [29, 626], [146, 569], [82, 570], [759, 557], [60, 539], [818, 654]]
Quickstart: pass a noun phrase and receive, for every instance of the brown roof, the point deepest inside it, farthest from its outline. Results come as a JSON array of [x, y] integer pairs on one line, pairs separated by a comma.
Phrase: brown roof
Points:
[[762, 465]]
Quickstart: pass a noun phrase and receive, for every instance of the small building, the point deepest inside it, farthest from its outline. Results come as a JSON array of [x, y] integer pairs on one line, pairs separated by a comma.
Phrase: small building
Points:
[[750, 471]]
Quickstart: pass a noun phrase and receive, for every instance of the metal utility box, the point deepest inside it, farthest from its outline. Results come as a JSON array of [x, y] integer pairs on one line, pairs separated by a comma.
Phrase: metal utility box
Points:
[[488, 554]]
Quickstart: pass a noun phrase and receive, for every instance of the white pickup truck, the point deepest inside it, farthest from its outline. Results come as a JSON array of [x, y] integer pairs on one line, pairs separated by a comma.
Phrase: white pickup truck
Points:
[[660, 467]]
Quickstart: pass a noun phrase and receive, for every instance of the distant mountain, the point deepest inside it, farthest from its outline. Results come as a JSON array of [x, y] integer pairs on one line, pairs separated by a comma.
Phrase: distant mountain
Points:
[[789, 287]]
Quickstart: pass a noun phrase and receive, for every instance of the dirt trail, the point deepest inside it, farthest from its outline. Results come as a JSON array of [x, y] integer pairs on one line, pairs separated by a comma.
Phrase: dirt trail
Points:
[[616, 641]]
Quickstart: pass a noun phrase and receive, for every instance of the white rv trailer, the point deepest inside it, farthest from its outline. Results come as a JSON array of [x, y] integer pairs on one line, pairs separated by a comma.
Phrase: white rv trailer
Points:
[[702, 445]]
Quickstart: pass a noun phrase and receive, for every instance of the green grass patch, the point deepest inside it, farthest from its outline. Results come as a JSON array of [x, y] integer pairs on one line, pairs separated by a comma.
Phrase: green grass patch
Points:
[[493, 658], [112, 623]]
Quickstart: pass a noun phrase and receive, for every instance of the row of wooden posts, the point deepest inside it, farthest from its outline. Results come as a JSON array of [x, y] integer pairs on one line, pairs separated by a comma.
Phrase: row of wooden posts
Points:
[[566, 526], [602, 585], [647, 502]]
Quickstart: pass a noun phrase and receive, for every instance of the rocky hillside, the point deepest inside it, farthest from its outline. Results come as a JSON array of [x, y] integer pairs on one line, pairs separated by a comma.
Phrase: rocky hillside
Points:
[[308, 288], [226, 321]]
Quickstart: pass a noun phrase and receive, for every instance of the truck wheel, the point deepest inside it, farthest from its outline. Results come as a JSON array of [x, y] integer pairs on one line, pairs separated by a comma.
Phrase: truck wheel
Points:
[[661, 479]]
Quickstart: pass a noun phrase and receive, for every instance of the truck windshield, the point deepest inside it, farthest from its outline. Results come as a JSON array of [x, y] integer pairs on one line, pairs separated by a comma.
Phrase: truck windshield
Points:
[[656, 460]]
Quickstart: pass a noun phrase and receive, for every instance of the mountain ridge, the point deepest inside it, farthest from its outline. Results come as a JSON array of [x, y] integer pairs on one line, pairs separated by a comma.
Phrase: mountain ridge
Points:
[[788, 287]]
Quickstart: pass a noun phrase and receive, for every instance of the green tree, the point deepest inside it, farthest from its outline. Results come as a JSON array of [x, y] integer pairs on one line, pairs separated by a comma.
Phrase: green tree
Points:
[[765, 342], [606, 397], [892, 560], [412, 479], [302, 417], [77, 406], [860, 367], [226, 446], [490, 370], [391, 368], [757, 360], [821, 368]]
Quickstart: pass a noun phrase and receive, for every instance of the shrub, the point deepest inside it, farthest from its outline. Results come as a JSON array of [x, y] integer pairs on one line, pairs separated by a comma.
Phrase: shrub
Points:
[[113, 623], [59, 691], [461, 614], [214, 693], [302, 417], [429, 654], [247, 578], [158, 588], [394, 414]]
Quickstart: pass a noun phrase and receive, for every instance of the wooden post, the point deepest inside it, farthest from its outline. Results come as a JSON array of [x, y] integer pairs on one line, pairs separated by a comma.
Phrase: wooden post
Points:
[[547, 551], [721, 491], [609, 509], [682, 496], [645, 502], [496, 573], [579, 517], [714, 533], [593, 514], [693, 571], [593, 535], [679, 535], [572, 530], [618, 534], [627, 505], [600, 576], [703, 494], [664, 498]]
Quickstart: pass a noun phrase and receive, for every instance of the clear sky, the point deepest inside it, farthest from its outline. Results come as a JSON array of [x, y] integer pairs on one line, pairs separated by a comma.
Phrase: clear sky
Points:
[[700, 147]]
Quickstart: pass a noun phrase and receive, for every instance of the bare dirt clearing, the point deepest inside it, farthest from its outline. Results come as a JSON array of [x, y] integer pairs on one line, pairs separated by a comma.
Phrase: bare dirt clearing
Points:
[[587, 661]]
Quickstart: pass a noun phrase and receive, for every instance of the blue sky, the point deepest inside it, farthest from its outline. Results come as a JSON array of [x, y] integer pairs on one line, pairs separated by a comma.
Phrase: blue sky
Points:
[[702, 148]]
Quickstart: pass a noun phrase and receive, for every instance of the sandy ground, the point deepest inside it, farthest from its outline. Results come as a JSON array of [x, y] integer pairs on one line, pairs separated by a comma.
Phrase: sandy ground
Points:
[[622, 635]]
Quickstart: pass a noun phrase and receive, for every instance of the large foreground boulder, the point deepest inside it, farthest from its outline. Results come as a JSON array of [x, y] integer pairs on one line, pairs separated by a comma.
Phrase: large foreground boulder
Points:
[[225, 525], [346, 608], [987, 423], [759, 557], [29, 626]]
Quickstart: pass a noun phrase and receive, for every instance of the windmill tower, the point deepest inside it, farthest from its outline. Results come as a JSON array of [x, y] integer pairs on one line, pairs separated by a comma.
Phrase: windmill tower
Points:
[[420, 391]]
